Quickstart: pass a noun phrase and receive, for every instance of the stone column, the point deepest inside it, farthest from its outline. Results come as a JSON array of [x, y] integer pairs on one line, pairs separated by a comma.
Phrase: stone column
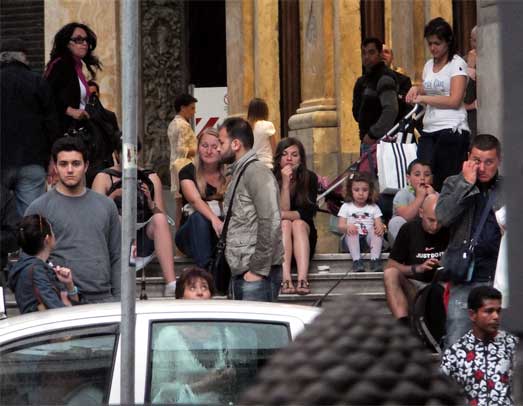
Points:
[[316, 121], [489, 69], [347, 69], [253, 56], [103, 17]]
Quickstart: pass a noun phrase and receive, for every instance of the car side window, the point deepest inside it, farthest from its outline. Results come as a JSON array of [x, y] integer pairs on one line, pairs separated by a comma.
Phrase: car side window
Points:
[[208, 362], [71, 367]]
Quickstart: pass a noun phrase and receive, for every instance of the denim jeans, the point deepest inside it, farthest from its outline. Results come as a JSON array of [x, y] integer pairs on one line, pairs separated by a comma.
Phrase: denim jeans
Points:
[[197, 239], [28, 183], [458, 321], [265, 290]]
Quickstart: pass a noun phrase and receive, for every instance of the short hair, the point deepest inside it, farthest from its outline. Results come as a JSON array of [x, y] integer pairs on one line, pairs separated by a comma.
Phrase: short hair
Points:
[[373, 40], [417, 162], [361, 177], [69, 143], [183, 100], [257, 110], [441, 29], [481, 293], [486, 142], [239, 129], [93, 83], [190, 274], [31, 233]]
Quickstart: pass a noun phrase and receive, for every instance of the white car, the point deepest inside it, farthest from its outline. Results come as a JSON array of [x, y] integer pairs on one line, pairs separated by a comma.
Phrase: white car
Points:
[[187, 351]]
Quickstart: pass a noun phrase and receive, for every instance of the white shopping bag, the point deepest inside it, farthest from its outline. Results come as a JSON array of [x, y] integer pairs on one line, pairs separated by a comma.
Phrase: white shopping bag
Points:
[[393, 159]]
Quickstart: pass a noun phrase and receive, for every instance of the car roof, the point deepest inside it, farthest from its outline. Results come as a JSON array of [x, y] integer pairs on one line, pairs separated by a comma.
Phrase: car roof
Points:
[[162, 306]]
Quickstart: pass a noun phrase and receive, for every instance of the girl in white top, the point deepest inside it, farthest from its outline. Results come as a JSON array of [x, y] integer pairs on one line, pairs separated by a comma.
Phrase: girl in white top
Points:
[[445, 138], [264, 142], [360, 220]]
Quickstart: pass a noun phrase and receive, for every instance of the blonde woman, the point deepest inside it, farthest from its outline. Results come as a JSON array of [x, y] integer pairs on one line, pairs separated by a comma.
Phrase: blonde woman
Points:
[[202, 185], [263, 130]]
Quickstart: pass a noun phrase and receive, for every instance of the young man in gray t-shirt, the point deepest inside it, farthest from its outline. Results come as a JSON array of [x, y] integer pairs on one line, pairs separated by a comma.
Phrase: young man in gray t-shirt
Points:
[[85, 224]]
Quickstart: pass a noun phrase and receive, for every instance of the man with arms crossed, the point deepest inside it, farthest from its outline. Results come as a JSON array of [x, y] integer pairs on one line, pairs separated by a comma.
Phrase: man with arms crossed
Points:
[[85, 223]]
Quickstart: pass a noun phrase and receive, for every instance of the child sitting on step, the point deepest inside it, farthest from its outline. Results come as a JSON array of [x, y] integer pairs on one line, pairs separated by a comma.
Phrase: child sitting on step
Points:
[[360, 220]]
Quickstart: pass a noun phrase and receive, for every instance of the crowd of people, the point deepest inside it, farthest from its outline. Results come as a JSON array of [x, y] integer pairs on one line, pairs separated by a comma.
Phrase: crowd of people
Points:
[[237, 181]]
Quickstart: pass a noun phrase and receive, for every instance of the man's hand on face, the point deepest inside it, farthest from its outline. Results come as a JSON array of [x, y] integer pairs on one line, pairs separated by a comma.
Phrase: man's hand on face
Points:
[[470, 171]]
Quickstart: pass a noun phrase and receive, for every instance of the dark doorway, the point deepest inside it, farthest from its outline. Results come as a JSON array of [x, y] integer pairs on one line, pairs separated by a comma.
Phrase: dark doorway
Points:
[[25, 19], [464, 19], [206, 49], [290, 78], [372, 19]]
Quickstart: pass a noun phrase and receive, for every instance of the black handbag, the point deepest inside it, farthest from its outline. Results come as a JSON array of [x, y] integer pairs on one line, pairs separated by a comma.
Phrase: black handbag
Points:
[[459, 261], [218, 266]]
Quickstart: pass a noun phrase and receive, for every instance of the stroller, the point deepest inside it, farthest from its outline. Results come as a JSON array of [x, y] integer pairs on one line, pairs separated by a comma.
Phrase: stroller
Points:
[[331, 194]]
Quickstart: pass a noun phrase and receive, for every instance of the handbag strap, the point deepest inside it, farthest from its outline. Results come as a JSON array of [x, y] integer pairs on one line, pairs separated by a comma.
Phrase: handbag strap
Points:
[[229, 211], [483, 219]]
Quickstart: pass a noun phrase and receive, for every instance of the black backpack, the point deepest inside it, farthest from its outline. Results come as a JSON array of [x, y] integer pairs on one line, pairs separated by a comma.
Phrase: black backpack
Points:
[[143, 212]]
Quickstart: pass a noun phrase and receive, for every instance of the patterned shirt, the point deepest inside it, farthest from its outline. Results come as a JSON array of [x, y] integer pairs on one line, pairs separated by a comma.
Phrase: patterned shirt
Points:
[[482, 369]]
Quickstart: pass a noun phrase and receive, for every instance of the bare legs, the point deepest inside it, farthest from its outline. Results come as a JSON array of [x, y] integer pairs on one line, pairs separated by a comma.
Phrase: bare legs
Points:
[[159, 231], [399, 291], [296, 241]]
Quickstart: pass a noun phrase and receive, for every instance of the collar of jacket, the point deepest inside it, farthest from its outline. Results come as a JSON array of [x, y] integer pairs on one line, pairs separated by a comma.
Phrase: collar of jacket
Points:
[[249, 156], [14, 62]]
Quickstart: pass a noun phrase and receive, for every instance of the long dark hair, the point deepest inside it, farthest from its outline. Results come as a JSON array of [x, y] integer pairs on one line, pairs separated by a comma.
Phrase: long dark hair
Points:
[[442, 29], [61, 41], [31, 233], [257, 110], [301, 191]]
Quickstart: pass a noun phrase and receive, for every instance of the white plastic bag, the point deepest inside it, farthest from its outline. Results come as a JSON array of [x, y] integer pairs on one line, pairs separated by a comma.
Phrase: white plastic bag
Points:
[[393, 160]]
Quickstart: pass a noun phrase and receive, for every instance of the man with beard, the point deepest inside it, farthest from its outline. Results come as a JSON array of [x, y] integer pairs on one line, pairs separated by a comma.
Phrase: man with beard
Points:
[[254, 249], [86, 225]]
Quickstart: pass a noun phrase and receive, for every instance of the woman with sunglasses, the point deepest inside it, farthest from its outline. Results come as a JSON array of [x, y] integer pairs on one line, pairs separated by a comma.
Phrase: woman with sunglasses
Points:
[[73, 48]]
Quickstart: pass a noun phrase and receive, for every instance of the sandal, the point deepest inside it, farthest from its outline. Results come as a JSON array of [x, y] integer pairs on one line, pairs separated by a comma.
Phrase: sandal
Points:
[[287, 288], [303, 287]]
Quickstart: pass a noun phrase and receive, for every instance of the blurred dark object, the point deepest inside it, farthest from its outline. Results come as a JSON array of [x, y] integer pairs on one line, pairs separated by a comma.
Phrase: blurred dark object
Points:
[[353, 354]]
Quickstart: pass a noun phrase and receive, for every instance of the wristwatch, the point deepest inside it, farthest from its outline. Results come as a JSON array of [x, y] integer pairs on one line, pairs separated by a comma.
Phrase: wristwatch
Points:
[[72, 292], [413, 270]]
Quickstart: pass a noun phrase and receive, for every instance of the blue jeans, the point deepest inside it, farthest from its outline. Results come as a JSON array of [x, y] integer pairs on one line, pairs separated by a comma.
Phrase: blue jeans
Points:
[[196, 238], [458, 321], [28, 183], [265, 290]]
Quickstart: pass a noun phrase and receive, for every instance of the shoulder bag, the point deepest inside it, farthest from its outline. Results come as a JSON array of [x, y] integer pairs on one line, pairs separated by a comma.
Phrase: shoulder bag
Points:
[[459, 261], [218, 266]]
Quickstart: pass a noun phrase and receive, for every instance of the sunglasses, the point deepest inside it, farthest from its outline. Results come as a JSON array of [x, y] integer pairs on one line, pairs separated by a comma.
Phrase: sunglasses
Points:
[[79, 40]]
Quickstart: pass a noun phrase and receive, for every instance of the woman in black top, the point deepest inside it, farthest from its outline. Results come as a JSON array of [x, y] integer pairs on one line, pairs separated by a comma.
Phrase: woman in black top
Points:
[[202, 186], [73, 47], [298, 191]]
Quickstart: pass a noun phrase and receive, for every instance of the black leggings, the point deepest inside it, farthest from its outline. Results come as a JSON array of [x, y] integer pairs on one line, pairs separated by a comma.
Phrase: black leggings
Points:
[[446, 151]]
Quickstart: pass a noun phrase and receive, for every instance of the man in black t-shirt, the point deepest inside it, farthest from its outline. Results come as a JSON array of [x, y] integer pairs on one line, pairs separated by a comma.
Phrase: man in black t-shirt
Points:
[[415, 255]]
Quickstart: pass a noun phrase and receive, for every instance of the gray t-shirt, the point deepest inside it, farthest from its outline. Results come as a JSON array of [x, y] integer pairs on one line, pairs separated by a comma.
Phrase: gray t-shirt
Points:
[[403, 197], [88, 237]]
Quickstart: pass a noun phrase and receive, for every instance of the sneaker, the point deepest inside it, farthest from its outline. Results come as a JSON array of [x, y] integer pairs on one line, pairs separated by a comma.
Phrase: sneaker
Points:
[[169, 290], [358, 266], [375, 265]]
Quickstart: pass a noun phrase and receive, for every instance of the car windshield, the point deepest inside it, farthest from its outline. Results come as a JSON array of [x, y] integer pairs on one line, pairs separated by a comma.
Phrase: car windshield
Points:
[[195, 362]]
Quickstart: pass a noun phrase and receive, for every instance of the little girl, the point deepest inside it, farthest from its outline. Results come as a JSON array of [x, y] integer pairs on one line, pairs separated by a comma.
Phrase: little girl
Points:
[[360, 221]]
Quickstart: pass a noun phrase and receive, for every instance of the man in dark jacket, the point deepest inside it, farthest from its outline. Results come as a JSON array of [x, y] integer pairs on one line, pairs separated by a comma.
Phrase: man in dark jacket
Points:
[[28, 125], [461, 203], [375, 98]]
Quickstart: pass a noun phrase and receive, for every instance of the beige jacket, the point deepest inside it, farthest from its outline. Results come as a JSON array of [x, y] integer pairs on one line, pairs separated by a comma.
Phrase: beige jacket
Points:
[[182, 141], [254, 234]]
